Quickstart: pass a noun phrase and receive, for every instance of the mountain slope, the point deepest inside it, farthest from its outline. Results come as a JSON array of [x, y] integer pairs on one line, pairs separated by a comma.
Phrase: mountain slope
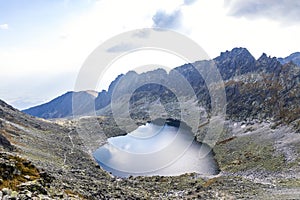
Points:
[[252, 87], [48, 162], [255, 89], [294, 57], [257, 151], [235, 62], [62, 105]]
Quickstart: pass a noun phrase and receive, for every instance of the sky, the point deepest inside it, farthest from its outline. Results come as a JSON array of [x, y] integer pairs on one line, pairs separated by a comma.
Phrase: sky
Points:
[[43, 43]]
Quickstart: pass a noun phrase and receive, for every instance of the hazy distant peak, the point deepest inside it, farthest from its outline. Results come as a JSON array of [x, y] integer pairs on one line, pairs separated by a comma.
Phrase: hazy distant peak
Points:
[[294, 57]]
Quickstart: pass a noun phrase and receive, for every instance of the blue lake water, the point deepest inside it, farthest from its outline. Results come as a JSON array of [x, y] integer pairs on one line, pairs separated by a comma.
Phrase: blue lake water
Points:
[[155, 149]]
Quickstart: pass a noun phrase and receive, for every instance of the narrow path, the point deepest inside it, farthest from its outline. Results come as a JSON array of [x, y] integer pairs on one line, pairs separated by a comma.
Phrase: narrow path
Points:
[[71, 140]]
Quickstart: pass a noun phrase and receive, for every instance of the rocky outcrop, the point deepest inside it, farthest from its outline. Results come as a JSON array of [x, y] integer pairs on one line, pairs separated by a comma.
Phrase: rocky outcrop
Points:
[[267, 64], [4, 143], [20, 179], [236, 62]]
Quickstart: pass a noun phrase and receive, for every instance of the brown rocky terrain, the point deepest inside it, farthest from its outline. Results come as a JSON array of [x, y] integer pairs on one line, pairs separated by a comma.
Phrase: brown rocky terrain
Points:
[[257, 151], [44, 160]]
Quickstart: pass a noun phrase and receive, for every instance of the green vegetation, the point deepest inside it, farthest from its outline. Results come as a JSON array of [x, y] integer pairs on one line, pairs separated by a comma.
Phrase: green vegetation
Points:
[[245, 153], [15, 170]]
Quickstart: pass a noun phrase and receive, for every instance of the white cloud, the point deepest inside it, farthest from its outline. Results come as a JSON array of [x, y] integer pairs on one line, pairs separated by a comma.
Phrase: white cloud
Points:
[[80, 35], [215, 31], [65, 49], [4, 26], [161, 19], [284, 11], [206, 22], [189, 2], [64, 36]]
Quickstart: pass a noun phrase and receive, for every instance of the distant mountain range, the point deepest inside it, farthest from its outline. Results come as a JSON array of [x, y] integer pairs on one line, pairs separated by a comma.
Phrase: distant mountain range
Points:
[[62, 106], [294, 57], [264, 88]]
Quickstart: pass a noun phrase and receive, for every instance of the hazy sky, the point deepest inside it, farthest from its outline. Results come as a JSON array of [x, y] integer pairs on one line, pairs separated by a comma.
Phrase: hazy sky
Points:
[[43, 43]]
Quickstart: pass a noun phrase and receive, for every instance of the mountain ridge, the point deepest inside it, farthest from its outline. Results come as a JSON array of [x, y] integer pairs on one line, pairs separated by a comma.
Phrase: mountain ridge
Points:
[[52, 109], [294, 57], [258, 146], [240, 71]]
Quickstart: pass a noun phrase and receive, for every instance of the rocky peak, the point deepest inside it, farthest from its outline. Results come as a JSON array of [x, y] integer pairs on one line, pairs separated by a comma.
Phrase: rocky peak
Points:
[[268, 64], [235, 62], [264, 58], [239, 51], [114, 83]]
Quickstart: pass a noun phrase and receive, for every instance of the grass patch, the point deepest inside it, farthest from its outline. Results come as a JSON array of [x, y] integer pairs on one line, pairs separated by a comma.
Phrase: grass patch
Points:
[[290, 183], [14, 171], [209, 182], [74, 194], [244, 153]]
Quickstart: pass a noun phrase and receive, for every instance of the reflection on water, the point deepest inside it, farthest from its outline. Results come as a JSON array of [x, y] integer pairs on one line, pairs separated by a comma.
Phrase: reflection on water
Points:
[[156, 150]]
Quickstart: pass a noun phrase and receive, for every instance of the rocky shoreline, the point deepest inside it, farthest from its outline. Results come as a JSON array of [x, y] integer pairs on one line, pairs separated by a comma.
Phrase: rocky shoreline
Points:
[[84, 179]]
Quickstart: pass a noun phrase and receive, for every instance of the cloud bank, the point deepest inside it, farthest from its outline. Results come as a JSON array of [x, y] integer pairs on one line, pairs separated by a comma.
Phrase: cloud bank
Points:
[[162, 19], [123, 47], [189, 2], [171, 20], [284, 11], [3, 26]]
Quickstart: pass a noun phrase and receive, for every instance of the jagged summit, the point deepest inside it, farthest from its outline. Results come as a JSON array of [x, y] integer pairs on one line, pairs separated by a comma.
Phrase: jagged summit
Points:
[[264, 56], [268, 64], [235, 65], [235, 62], [238, 51]]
